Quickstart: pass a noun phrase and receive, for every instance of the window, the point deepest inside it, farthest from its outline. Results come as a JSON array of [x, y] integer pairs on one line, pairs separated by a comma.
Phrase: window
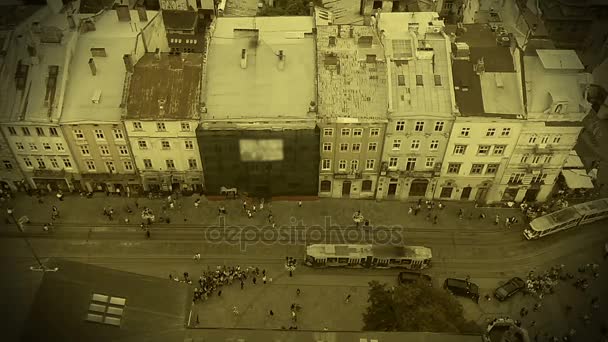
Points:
[[99, 134], [430, 162], [142, 144], [40, 131], [356, 147], [185, 126], [84, 149], [439, 126], [401, 80], [170, 164], [437, 80], [410, 164], [20, 146], [7, 164], [540, 178], [464, 132], [476, 169], [327, 147], [67, 163], [491, 169], [499, 150], [419, 80], [78, 134], [357, 132], [122, 149], [28, 162], [354, 165], [325, 186], [535, 159], [160, 126], [165, 145], [46, 146], [345, 132], [326, 164], [343, 147], [532, 139], [396, 144], [137, 126], [415, 145], [505, 132], [544, 140], [548, 159], [516, 178], [59, 147], [483, 150], [25, 130], [392, 162], [189, 145], [147, 163], [342, 165], [118, 134], [12, 131], [104, 150], [90, 165], [33, 147], [557, 138], [374, 132], [128, 165], [434, 145], [419, 127], [460, 149], [366, 185], [369, 164], [490, 132], [372, 147], [192, 164], [41, 163], [453, 167], [328, 132], [524, 158], [110, 167], [400, 126]]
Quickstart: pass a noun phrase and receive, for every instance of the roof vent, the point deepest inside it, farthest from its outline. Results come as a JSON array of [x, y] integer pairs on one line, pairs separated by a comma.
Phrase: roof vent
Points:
[[281, 60], [244, 58], [96, 96], [161, 106], [312, 107], [462, 50]]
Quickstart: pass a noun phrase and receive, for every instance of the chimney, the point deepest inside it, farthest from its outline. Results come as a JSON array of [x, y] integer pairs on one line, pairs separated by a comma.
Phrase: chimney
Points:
[[141, 12], [71, 22], [161, 107], [244, 58], [128, 62], [480, 66], [92, 66], [157, 54], [281, 60]]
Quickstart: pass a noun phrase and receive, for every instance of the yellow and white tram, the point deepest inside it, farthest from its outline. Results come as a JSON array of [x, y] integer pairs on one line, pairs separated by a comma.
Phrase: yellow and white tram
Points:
[[369, 256], [566, 218]]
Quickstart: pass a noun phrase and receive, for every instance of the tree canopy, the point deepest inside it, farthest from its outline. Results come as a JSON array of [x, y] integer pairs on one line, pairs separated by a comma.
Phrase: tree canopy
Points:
[[414, 307], [288, 7]]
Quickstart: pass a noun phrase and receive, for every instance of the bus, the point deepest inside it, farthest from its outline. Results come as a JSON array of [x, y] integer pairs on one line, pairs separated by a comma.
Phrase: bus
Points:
[[368, 256], [567, 218]]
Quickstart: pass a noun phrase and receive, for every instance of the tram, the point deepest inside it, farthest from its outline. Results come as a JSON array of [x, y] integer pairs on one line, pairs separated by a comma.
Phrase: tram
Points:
[[368, 256], [567, 218]]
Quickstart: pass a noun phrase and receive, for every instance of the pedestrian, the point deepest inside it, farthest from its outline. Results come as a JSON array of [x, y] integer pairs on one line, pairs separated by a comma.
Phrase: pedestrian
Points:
[[170, 276], [440, 205], [347, 300], [507, 223], [242, 285], [298, 292], [271, 313], [264, 279], [435, 219], [235, 310], [196, 203], [428, 216], [126, 220], [532, 324], [300, 204], [254, 280], [460, 213], [416, 211], [249, 214], [142, 226], [147, 233], [46, 227], [471, 215], [410, 211], [219, 293], [497, 220], [244, 205]]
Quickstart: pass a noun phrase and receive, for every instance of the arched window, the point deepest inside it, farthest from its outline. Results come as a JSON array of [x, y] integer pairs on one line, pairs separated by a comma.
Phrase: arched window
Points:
[[325, 186]]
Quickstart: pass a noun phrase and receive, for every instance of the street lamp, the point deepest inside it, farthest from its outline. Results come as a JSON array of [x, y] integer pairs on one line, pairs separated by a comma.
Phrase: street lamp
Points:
[[40, 267]]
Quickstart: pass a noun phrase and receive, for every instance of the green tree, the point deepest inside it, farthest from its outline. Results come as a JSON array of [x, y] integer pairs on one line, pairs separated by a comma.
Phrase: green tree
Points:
[[414, 307], [288, 7]]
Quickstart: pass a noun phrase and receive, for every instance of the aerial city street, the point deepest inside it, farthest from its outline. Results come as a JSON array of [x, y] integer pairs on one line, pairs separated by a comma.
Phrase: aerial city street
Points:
[[295, 170]]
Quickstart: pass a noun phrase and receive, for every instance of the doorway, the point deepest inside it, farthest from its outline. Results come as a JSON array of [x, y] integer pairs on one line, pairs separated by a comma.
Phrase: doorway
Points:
[[392, 189], [346, 188], [446, 192], [466, 192], [531, 195], [418, 187], [480, 197]]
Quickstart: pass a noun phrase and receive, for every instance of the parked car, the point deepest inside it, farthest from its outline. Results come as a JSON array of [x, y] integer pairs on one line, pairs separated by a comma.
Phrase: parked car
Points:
[[463, 288], [509, 288], [407, 277]]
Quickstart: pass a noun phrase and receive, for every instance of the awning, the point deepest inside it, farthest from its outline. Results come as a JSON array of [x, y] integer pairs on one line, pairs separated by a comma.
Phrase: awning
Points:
[[574, 161], [577, 179]]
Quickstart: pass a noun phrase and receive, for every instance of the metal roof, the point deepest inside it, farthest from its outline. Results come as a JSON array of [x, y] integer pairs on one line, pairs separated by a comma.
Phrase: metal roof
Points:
[[560, 59]]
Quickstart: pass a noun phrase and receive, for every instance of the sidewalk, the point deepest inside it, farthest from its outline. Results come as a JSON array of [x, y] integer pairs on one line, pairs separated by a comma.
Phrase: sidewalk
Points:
[[76, 210]]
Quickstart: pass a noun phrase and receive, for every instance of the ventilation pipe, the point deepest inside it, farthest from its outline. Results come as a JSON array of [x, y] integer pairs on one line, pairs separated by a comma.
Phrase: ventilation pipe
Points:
[[92, 66], [244, 58]]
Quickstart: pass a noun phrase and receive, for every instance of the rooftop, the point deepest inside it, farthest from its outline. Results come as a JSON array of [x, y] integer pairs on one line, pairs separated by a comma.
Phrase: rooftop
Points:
[[13, 15], [351, 73], [179, 20], [94, 6], [98, 97], [167, 87], [68, 299], [259, 84], [420, 62]]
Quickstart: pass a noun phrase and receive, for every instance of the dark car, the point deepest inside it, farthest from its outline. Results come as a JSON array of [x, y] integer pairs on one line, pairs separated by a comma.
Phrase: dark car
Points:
[[510, 288], [463, 288], [407, 277]]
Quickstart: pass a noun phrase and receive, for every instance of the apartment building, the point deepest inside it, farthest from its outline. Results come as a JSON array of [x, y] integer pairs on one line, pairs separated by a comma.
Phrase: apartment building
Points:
[[556, 88], [185, 23], [96, 98], [369, 7], [163, 110], [36, 63], [421, 108], [353, 100], [259, 133], [491, 114]]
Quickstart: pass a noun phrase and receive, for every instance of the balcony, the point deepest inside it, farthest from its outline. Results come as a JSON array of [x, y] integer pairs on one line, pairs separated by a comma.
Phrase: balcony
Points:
[[542, 148], [49, 173], [534, 168], [348, 175]]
